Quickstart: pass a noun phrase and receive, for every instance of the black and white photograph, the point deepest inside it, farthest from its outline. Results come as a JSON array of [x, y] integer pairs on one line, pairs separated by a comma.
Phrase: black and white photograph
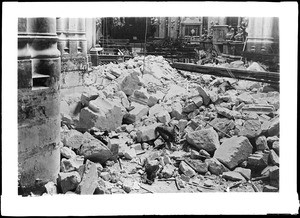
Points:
[[149, 108]]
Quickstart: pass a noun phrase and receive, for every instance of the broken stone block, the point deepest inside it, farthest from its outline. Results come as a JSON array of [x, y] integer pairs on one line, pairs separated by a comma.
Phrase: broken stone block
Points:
[[198, 100], [274, 176], [244, 172], [102, 114], [123, 98], [186, 169], [265, 126], [275, 147], [168, 171], [73, 139], [51, 188], [233, 151], [204, 153], [232, 176], [274, 159], [246, 98], [130, 153], [251, 129], [138, 112], [167, 160], [224, 112], [140, 96], [115, 71], [163, 116], [68, 181], [215, 166], [198, 166], [190, 107], [86, 97], [261, 143], [269, 188], [105, 176], [208, 183], [203, 93], [223, 124], [206, 139], [177, 110], [255, 67], [158, 142], [89, 182], [274, 127], [213, 94], [258, 160], [271, 140], [147, 133], [68, 165], [182, 123], [174, 91], [91, 145], [67, 152], [130, 83]]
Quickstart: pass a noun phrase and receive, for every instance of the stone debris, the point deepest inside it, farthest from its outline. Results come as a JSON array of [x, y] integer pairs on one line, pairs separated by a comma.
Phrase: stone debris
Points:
[[227, 130], [234, 151]]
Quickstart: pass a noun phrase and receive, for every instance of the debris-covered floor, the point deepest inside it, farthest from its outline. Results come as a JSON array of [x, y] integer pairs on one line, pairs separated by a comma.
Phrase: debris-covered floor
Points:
[[223, 132]]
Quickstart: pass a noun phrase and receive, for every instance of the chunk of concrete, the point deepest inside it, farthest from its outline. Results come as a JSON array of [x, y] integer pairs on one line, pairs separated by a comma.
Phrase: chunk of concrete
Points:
[[130, 83], [168, 171], [73, 139], [274, 127], [186, 169], [261, 143], [233, 151], [274, 159], [102, 114], [138, 112], [177, 110], [258, 160], [251, 129], [232, 176], [67, 152], [244, 172], [206, 139], [215, 166], [89, 182], [68, 181], [203, 93]]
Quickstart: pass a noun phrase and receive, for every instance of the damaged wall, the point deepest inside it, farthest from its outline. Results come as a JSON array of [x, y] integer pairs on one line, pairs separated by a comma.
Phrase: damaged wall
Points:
[[39, 67]]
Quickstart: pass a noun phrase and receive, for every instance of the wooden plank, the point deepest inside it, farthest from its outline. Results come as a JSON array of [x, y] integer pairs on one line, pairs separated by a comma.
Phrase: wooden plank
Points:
[[267, 77]]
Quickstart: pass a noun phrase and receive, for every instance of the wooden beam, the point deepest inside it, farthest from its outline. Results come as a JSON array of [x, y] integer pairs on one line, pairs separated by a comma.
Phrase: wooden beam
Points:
[[267, 77]]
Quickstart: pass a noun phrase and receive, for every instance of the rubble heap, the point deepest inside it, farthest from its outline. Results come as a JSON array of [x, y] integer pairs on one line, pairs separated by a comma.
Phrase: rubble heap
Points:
[[228, 132]]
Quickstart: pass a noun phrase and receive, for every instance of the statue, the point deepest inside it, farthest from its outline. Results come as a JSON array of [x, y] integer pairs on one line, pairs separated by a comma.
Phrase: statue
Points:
[[230, 34], [240, 35], [204, 35]]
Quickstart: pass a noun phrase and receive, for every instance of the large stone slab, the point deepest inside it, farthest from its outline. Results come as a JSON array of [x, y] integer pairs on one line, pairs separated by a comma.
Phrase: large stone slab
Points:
[[206, 139], [68, 181], [130, 83], [89, 183], [73, 139], [251, 128], [233, 151], [102, 114]]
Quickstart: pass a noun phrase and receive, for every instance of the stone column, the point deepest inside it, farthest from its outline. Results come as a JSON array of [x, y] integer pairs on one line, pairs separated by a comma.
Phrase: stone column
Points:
[[62, 26], [38, 103], [262, 32]]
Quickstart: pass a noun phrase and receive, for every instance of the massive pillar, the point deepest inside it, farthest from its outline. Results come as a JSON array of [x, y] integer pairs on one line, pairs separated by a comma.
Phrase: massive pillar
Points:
[[263, 34], [73, 45], [38, 102]]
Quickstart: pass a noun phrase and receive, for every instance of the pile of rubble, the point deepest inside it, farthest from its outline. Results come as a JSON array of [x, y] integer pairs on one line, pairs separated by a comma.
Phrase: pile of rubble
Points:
[[228, 133]]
